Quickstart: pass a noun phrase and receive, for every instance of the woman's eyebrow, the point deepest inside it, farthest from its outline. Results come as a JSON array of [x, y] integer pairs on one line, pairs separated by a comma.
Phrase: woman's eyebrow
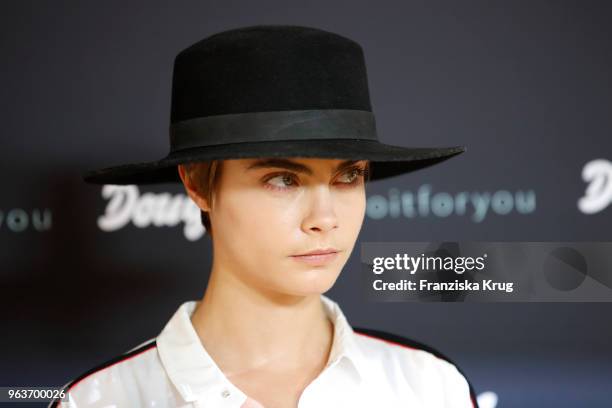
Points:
[[291, 165]]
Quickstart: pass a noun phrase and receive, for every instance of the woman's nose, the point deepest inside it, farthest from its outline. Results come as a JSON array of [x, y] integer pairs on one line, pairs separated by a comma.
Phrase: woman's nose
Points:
[[320, 214]]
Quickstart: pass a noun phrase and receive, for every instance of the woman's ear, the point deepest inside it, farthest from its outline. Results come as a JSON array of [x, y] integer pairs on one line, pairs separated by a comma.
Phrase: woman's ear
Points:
[[191, 187]]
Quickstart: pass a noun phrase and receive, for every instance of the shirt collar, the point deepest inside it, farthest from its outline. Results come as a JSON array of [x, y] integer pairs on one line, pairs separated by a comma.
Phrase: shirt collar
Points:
[[344, 343], [196, 376]]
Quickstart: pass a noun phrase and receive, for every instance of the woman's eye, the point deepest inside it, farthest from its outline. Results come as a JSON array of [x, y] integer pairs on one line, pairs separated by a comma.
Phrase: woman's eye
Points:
[[287, 181], [351, 175], [281, 181]]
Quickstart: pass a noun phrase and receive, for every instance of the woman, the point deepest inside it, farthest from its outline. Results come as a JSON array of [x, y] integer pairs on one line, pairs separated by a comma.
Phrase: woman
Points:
[[273, 138]]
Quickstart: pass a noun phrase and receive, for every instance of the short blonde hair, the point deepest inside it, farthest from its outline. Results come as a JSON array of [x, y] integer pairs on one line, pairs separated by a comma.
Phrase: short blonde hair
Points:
[[204, 177]]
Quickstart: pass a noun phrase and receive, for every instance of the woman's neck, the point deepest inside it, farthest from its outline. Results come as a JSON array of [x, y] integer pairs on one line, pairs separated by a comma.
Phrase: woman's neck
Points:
[[245, 329]]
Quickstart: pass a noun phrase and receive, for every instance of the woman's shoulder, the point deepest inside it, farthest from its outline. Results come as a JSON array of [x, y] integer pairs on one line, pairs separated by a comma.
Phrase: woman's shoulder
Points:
[[117, 378], [390, 344], [426, 369]]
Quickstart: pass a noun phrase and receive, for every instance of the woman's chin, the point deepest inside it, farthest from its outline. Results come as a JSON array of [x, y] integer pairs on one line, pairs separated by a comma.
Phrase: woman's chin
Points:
[[311, 283]]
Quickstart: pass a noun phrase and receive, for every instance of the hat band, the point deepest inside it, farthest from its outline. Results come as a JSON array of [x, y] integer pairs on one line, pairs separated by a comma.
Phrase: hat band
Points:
[[273, 126]]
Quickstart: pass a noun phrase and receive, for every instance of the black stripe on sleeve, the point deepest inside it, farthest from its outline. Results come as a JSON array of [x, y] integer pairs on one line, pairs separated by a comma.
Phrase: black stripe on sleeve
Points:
[[148, 345], [394, 338]]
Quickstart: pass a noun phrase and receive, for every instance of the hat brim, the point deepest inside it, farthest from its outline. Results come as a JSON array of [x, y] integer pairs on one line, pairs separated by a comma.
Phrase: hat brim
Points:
[[385, 160]]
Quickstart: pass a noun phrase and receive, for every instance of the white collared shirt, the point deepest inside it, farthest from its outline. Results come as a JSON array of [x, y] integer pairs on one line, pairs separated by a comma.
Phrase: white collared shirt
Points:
[[175, 370]]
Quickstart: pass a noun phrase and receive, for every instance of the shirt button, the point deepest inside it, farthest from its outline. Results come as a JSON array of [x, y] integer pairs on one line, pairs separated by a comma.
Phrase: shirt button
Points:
[[225, 393]]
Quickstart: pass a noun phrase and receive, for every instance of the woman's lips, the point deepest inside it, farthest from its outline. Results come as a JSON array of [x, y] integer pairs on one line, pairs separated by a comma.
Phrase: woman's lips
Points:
[[316, 259]]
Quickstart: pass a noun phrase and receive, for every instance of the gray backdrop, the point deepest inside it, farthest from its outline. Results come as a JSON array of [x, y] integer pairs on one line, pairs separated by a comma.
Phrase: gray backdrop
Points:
[[525, 86]]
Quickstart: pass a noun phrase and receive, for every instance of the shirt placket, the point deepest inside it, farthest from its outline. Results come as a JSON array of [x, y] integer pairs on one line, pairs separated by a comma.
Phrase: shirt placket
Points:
[[223, 396], [328, 386]]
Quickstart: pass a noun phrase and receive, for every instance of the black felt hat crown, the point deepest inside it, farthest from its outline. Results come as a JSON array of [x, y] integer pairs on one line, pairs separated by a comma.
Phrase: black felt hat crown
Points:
[[273, 91]]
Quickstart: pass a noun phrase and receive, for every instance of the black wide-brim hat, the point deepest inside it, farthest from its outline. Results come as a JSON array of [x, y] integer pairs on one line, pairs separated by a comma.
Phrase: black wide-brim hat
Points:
[[273, 91]]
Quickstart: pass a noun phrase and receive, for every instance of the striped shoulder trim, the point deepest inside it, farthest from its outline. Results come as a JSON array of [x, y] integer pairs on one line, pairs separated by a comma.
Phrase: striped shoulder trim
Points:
[[415, 345], [107, 364]]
